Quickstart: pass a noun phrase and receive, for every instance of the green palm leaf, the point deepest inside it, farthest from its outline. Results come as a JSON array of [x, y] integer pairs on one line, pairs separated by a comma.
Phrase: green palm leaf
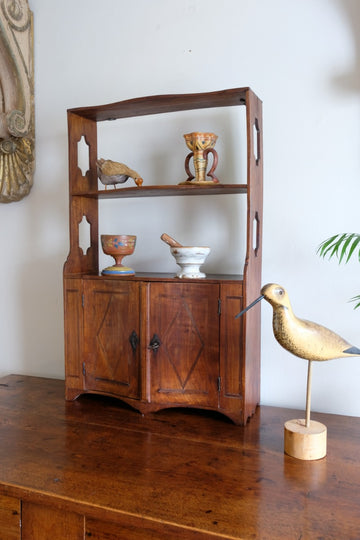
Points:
[[356, 299], [343, 246], [340, 245]]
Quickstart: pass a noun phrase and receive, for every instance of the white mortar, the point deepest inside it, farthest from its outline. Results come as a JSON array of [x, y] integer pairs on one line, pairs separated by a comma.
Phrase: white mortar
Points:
[[190, 259]]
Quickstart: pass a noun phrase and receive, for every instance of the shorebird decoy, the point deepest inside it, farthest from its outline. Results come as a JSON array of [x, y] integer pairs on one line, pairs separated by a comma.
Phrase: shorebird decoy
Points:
[[302, 338], [303, 439], [112, 173]]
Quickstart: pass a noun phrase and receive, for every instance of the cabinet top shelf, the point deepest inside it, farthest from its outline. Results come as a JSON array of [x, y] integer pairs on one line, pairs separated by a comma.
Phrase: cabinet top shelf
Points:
[[163, 104]]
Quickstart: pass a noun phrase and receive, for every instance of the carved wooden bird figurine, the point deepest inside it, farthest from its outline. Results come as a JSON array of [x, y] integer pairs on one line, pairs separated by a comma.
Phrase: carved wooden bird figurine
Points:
[[112, 173], [302, 338]]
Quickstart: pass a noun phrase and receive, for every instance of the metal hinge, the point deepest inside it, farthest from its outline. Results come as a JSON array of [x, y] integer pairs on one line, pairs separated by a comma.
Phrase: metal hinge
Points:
[[219, 306], [219, 384], [83, 369]]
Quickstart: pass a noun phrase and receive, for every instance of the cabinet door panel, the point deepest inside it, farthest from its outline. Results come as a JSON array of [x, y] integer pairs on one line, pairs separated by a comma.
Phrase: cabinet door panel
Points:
[[184, 368], [111, 333]]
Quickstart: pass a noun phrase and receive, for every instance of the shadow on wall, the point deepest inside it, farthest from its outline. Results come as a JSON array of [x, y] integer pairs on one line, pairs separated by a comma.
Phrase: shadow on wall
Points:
[[350, 81], [42, 317], [40, 277]]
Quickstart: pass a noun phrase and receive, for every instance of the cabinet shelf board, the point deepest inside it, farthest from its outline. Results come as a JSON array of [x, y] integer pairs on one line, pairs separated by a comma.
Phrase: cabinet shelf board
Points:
[[160, 276], [143, 106], [164, 191]]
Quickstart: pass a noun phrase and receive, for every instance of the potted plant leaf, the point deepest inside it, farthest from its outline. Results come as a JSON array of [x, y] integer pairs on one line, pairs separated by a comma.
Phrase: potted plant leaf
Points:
[[342, 246]]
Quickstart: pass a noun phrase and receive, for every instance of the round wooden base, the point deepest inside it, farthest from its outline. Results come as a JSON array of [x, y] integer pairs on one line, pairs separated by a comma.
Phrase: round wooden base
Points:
[[301, 442], [118, 271], [199, 182]]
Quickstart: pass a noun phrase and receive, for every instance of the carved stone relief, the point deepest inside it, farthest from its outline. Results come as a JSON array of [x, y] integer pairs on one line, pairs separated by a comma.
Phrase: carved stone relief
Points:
[[17, 129]]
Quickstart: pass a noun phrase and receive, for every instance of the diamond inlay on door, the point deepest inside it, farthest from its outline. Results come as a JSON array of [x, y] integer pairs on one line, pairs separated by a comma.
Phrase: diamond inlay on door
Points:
[[191, 348], [111, 318], [186, 364]]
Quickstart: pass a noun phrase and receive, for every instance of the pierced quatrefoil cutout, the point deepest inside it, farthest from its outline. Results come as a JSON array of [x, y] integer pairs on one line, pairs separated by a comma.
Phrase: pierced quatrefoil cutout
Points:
[[256, 139], [83, 156], [84, 235]]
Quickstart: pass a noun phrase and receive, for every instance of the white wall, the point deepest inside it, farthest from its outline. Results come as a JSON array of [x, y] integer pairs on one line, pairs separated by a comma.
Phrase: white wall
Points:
[[301, 58]]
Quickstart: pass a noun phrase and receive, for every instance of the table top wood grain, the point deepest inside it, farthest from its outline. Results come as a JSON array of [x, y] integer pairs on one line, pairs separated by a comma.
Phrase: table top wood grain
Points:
[[191, 469]]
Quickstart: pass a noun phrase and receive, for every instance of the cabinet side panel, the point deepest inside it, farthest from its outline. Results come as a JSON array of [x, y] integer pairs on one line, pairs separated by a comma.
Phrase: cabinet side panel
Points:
[[82, 207], [252, 271], [73, 337], [10, 512]]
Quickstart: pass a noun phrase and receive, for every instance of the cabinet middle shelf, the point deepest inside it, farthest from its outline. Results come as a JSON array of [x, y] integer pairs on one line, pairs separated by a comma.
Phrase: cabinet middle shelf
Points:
[[160, 276], [163, 191]]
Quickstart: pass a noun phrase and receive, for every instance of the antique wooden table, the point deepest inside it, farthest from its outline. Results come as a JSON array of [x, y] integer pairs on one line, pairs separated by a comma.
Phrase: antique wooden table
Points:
[[95, 469]]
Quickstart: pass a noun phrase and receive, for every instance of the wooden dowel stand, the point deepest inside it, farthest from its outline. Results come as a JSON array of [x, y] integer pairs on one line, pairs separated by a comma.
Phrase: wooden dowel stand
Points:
[[305, 439], [308, 394]]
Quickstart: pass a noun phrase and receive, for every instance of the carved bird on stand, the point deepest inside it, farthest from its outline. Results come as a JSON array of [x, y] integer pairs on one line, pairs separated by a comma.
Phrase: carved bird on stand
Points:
[[302, 338], [112, 173]]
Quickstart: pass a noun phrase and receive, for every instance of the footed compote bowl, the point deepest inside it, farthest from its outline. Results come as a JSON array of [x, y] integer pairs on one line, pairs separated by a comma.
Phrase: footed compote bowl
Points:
[[118, 246]]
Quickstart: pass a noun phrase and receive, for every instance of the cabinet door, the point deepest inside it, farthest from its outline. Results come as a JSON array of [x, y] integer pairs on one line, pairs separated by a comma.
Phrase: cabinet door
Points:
[[183, 343], [111, 337]]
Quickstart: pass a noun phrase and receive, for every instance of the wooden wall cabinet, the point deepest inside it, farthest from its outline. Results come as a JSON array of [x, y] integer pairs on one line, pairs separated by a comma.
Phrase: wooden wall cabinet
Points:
[[154, 340]]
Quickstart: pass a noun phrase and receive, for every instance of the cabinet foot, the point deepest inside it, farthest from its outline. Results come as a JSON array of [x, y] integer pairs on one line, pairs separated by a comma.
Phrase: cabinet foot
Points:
[[146, 408]]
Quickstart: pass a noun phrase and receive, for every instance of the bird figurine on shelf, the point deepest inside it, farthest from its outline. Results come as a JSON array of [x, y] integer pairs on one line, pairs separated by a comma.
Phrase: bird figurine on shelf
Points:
[[113, 173], [310, 341]]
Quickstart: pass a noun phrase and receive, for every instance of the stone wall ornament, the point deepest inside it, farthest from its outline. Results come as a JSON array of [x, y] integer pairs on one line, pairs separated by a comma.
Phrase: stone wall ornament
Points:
[[17, 117]]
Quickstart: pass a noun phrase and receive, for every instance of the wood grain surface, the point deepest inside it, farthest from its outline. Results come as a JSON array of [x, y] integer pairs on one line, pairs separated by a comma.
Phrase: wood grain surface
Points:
[[172, 474]]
